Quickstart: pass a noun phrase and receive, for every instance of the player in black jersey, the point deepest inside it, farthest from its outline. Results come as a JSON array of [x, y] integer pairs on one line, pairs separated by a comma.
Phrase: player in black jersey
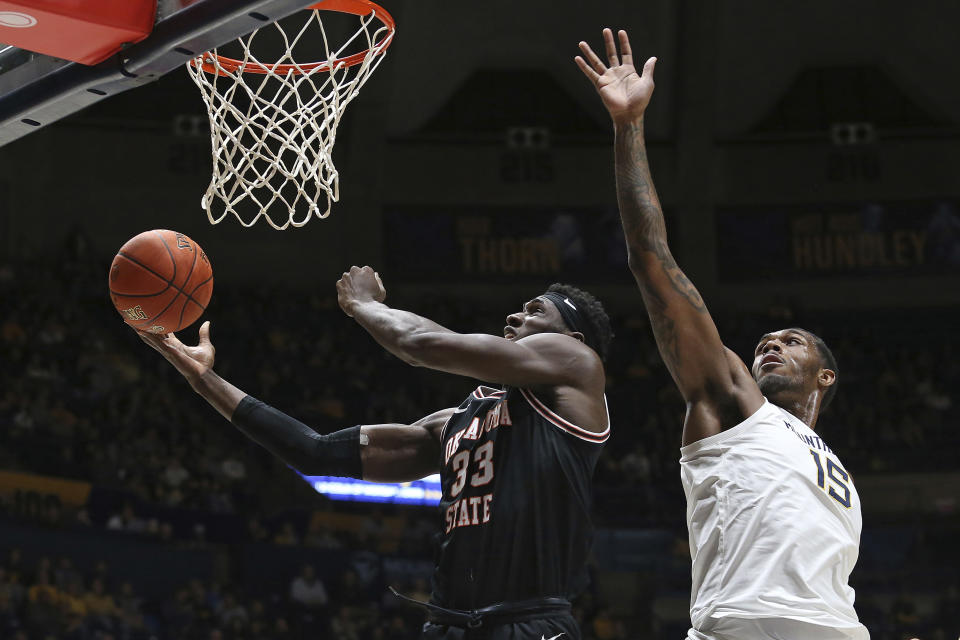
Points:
[[516, 461]]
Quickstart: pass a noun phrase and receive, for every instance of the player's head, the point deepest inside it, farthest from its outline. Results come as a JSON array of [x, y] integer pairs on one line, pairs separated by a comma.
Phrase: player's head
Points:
[[794, 362], [563, 309]]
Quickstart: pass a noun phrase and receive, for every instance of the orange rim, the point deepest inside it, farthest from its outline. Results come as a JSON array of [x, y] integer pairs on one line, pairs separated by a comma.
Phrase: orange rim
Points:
[[354, 7]]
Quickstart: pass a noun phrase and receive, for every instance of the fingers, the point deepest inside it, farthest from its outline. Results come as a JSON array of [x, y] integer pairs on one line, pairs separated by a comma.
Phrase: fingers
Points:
[[382, 295], [170, 341], [611, 46], [592, 75], [347, 275], [648, 69], [151, 339], [626, 53], [165, 342], [591, 64], [354, 270], [592, 59], [160, 344], [204, 333]]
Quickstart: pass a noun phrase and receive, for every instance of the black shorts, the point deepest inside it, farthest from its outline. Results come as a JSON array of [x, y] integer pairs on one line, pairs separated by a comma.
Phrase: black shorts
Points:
[[556, 627]]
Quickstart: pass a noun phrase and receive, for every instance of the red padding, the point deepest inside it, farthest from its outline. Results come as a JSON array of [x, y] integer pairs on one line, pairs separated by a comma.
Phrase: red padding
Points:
[[85, 31]]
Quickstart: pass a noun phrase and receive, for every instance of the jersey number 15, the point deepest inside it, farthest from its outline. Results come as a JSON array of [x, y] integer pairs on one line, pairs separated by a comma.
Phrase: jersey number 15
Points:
[[833, 469]]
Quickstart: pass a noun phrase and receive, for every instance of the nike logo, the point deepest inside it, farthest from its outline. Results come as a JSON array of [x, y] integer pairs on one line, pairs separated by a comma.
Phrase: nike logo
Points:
[[553, 638], [461, 410]]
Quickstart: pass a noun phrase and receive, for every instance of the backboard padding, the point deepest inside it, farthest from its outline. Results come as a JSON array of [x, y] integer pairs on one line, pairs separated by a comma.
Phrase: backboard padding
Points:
[[36, 90]]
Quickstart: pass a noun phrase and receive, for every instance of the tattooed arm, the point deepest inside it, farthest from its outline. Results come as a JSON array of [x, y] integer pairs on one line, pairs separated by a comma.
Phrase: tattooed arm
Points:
[[715, 383]]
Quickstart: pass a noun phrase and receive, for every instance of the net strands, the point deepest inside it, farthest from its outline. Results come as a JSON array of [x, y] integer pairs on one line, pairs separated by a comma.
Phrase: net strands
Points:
[[273, 125]]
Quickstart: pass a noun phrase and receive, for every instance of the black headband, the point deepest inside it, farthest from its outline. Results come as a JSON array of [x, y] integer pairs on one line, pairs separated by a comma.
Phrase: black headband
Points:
[[571, 316]]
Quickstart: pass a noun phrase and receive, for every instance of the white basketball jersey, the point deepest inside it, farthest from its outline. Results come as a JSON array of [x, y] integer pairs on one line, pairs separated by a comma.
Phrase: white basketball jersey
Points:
[[774, 523]]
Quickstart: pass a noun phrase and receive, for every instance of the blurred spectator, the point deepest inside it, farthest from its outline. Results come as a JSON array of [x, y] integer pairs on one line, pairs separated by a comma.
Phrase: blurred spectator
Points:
[[101, 606], [308, 590], [233, 469], [322, 538], [11, 587], [256, 531], [66, 575], [42, 586], [44, 616], [287, 535], [73, 600], [126, 521], [343, 625], [231, 612], [281, 629]]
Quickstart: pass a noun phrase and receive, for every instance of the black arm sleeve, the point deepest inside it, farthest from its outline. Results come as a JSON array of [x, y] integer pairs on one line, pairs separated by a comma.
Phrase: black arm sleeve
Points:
[[310, 453]]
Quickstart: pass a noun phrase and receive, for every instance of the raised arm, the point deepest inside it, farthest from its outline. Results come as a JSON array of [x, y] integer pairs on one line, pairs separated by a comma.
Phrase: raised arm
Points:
[[379, 452], [540, 359], [715, 383]]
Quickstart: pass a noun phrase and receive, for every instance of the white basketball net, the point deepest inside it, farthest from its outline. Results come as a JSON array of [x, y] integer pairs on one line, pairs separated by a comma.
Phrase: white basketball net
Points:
[[273, 133]]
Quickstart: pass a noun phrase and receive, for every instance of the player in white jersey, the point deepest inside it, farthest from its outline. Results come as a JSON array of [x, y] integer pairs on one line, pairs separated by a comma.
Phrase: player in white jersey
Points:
[[773, 515]]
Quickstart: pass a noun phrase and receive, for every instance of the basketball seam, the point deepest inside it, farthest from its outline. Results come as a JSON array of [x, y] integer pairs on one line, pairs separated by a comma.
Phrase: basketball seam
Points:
[[192, 265], [182, 309], [192, 291], [121, 254], [169, 283], [196, 253], [185, 281], [143, 266], [169, 253], [164, 310], [140, 295]]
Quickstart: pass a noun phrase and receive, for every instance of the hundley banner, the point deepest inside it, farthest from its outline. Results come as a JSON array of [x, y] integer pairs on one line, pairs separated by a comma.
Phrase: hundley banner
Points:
[[908, 238], [505, 243]]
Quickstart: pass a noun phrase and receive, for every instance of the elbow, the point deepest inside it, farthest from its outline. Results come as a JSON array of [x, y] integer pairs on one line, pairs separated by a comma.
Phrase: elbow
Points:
[[303, 462], [639, 262], [414, 349]]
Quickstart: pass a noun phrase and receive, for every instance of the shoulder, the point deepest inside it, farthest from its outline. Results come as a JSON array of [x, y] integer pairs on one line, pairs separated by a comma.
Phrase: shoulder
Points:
[[564, 351], [559, 343]]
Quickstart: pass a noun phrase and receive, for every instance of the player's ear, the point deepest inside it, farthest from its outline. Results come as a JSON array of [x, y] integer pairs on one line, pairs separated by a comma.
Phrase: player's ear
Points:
[[577, 335], [826, 378]]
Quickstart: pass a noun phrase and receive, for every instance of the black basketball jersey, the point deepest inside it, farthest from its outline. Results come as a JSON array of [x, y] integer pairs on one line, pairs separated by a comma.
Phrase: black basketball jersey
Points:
[[515, 512]]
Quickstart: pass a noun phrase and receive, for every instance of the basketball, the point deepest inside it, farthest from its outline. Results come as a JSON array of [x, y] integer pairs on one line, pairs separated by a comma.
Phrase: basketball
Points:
[[160, 281]]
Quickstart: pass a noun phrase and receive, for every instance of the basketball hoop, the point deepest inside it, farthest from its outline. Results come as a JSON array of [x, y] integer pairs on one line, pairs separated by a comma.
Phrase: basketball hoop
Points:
[[273, 125]]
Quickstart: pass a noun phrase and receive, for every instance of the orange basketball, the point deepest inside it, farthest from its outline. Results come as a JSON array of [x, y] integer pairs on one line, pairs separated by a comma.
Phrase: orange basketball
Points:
[[160, 281]]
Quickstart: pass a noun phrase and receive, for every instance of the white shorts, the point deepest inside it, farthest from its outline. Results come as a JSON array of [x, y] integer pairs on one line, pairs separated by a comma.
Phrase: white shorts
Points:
[[774, 629]]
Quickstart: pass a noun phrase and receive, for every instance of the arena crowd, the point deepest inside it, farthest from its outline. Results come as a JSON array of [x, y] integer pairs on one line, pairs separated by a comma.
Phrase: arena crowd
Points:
[[82, 399]]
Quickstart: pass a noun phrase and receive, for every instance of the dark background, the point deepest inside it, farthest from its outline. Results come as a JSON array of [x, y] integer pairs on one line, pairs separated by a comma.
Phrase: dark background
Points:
[[807, 159]]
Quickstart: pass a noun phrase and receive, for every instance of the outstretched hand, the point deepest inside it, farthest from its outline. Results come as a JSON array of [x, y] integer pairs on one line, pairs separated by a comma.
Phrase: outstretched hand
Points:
[[192, 362], [357, 286], [625, 94]]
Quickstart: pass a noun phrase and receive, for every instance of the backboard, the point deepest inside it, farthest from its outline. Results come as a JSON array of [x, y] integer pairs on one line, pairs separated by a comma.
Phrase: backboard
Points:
[[36, 90]]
